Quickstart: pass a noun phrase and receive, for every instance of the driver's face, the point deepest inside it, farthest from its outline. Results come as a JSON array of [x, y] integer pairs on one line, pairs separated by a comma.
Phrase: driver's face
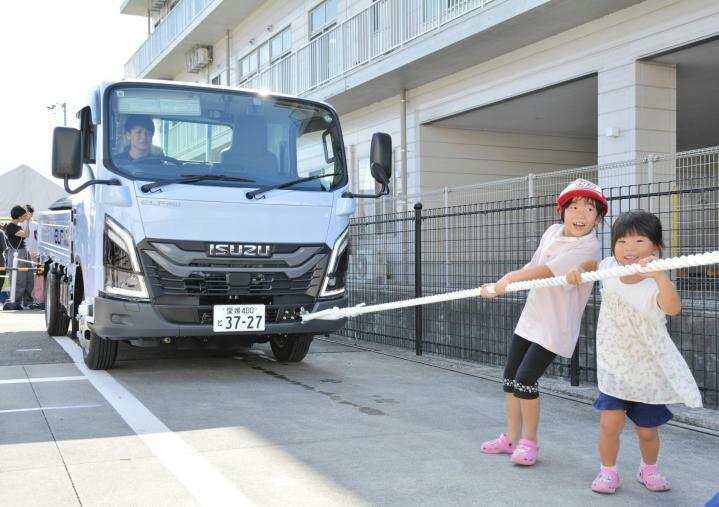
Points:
[[140, 140]]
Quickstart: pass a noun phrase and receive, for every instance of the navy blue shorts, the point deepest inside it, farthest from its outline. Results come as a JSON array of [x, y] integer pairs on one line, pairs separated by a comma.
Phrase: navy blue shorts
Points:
[[642, 414]]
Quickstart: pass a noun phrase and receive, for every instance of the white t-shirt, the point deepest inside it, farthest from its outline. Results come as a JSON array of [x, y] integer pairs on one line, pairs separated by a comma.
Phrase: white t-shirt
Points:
[[636, 358], [552, 315], [31, 240]]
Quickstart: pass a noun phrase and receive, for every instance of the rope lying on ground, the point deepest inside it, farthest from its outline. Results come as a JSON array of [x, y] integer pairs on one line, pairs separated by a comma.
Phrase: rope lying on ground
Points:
[[685, 261]]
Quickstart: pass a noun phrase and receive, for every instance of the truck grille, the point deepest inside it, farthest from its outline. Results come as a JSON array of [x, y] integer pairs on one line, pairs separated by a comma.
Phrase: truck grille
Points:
[[176, 270]]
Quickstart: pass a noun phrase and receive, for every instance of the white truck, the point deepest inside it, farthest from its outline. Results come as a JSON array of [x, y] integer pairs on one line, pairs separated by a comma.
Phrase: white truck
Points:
[[201, 216]]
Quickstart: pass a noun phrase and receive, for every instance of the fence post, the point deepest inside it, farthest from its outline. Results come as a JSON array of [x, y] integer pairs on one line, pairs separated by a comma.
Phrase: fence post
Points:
[[650, 168], [574, 367], [418, 277], [446, 237], [530, 185], [12, 304]]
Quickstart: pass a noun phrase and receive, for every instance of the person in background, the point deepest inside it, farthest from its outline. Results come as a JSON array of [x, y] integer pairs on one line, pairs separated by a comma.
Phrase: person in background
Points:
[[3, 274], [32, 248], [16, 236]]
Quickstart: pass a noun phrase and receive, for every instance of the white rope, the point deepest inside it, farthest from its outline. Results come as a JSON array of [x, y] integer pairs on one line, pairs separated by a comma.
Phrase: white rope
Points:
[[29, 262], [685, 261]]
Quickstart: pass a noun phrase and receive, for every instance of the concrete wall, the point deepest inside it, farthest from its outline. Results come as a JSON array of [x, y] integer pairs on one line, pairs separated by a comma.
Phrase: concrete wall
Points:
[[632, 98], [454, 157]]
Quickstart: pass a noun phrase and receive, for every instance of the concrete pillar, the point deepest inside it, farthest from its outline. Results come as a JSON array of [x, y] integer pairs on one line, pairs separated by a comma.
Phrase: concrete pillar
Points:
[[638, 101], [636, 120]]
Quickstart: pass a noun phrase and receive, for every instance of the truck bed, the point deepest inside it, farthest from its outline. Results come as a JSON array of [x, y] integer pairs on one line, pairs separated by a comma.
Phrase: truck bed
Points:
[[54, 233]]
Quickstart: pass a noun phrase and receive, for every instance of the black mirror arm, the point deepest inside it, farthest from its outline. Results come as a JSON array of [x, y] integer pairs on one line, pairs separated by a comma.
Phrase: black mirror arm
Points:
[[82, 187], [383, 191]]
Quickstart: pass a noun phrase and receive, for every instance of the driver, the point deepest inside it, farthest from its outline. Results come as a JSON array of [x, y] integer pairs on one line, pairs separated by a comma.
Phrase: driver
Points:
[[139, 130]]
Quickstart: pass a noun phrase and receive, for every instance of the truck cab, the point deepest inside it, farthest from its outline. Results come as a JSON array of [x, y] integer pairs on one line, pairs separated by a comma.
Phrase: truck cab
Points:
[[200, 216]]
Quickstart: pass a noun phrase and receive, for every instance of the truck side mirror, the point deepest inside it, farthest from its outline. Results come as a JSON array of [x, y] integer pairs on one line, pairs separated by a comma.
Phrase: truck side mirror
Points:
[[66, 161], [380, 163], [381, 158]]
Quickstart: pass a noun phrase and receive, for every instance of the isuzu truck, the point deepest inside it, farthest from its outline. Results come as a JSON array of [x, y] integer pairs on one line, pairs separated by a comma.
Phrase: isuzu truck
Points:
[[199, 216]]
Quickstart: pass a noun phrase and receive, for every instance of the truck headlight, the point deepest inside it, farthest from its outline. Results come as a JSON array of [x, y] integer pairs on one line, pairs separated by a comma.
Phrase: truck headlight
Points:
[[123, 274], [336, 275]]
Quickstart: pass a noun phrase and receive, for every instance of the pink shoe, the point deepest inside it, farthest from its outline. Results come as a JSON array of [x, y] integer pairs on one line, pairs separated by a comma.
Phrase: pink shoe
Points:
[[525, 453], [499, 445], [651, 478], [607, 481]]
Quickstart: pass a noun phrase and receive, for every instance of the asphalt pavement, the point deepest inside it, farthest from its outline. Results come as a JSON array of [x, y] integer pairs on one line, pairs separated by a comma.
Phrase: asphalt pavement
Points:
[[353, 424]]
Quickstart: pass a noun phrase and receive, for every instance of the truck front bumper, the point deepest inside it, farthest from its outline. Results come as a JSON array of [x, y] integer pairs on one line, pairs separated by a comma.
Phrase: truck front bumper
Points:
[[127, 320]]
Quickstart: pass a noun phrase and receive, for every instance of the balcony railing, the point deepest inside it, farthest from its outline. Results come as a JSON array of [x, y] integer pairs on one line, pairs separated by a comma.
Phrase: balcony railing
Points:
[[379, 29], [166, 32]]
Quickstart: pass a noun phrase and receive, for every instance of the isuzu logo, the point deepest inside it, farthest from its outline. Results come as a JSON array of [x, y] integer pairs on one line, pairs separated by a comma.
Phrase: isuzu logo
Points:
[[238, 250]]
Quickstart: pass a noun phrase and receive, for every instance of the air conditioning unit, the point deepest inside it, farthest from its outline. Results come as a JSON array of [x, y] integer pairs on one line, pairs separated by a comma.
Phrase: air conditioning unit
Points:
[[156, 5], [198, 58]]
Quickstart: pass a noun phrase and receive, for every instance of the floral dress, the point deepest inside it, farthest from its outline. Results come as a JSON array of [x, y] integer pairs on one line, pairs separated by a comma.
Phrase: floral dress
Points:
[[636, 358]]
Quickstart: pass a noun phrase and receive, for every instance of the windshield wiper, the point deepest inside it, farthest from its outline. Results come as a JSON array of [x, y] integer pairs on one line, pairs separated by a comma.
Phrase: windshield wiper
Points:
[[193, 178], [254, 193]]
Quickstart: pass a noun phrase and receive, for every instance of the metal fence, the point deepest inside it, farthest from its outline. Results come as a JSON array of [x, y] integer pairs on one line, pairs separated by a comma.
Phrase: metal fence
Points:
[[399, 255], [682, 166]]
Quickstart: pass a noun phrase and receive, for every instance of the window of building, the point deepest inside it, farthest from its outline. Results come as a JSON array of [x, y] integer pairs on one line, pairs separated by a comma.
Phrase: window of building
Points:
[[218, 79], [266, 54], [281, 44], [322, 17], [248, 65]]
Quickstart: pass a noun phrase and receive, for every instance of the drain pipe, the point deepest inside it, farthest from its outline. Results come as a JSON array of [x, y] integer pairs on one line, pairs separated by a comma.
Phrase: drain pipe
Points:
[[403, 144], [227, 56]]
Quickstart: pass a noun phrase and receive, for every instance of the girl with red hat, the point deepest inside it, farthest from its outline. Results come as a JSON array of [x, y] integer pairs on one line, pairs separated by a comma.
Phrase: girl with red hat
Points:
[[550, 321]]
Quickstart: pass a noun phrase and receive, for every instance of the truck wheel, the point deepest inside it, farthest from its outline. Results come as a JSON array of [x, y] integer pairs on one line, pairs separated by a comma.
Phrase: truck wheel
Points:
[[56, 322], [291, 348], [98, 353]]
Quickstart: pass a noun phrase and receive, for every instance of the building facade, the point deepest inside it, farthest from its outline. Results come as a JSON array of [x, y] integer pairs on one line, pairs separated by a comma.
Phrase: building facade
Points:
[[471, 91]]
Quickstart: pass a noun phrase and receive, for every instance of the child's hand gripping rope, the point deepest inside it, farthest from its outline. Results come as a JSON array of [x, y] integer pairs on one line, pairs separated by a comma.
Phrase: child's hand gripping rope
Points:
[[684, 261]]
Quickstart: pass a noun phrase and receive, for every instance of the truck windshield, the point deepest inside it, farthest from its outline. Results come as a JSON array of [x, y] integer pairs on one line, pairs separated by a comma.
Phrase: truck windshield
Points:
[[161, 133]]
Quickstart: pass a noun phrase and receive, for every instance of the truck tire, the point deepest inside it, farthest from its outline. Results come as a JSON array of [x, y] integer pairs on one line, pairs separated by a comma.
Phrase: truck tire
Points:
[[97, 352], [291, 348], [56, 321]]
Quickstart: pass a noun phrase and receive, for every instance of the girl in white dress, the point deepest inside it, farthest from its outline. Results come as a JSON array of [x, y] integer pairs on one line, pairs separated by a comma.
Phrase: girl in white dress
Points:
[[639, 369]]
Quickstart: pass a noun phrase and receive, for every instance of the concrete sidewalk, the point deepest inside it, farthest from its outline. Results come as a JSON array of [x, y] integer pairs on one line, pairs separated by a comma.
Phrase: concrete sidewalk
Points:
[[348, 426], [700, 419]]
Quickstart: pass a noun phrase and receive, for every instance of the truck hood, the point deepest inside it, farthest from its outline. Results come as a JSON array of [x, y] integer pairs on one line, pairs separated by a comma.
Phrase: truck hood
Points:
[[210, 213]]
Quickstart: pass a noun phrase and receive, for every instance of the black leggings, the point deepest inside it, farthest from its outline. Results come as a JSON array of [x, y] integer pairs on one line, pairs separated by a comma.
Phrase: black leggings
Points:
[[526, 362]]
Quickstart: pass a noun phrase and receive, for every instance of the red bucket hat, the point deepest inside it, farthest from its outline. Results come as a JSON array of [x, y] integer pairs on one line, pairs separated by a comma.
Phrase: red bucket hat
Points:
[[582, 188]]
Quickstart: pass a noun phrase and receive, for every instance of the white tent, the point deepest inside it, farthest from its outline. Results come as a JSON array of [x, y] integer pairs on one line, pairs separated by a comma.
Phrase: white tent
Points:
[[24, 185]]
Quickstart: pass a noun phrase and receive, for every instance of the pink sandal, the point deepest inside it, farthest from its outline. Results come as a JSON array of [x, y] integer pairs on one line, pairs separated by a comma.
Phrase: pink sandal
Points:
[[607, 481], [525, 453], [499, 445], [651, 478]]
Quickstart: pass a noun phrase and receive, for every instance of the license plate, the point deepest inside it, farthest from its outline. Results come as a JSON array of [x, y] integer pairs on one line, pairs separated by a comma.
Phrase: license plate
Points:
[[228, 318]]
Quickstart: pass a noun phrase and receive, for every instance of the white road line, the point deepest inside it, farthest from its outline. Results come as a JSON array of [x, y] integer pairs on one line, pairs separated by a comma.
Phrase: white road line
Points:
[[62, 407], [26, 350], [207, 485], [41, 379]]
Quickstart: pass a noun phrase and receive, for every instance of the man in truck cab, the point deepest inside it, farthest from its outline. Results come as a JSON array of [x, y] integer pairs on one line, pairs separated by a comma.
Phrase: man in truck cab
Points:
[[139, 130]]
